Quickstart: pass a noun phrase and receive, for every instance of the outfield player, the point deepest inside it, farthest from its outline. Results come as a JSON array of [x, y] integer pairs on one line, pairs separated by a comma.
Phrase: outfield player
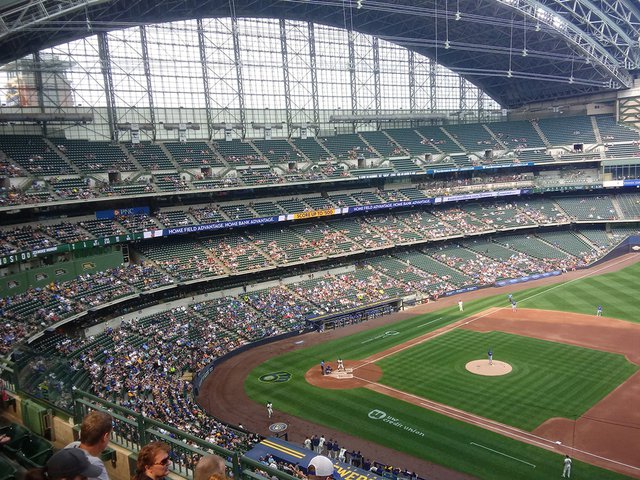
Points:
[[566, 471], [460, 306], [599, 311]]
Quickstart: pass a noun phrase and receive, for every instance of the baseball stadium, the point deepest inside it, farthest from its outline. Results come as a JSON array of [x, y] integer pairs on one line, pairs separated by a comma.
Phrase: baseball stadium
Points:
[[310, 239]]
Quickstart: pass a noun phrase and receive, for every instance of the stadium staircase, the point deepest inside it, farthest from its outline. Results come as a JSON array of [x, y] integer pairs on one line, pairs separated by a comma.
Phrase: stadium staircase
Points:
[[537, 128], [596, 130], [167, 153], [62, 155], [453, 139], [404, 150], [617, 207], [495, 137]]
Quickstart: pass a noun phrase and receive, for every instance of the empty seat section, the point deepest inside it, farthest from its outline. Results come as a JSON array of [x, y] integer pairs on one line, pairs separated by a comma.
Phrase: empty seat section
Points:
[[192, 154], [96, 156], [385, 146], [237, 152], [150, 156], [568, 130], [33, 154]]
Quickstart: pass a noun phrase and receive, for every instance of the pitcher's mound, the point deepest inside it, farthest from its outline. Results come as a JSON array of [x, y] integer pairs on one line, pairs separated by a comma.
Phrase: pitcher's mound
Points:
[[482, 367]]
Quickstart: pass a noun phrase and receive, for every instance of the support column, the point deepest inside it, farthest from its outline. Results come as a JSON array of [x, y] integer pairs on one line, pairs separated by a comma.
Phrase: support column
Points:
[[314, 76], [205, 77], [285, 72], [39, 84], [238, 61], [376, 79], [105, 65], [412, 81], [147, 74], [433, 66], [352, 73]]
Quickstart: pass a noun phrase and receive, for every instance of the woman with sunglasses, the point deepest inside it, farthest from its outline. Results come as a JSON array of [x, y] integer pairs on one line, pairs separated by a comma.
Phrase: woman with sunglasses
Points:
[[153, 462]]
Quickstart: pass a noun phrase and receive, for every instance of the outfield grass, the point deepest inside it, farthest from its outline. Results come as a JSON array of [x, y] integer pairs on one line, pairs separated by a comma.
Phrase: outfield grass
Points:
[[544, 370]]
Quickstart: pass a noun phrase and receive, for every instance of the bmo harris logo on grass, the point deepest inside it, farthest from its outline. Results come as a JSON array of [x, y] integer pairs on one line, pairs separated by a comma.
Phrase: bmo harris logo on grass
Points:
[[396, 422]]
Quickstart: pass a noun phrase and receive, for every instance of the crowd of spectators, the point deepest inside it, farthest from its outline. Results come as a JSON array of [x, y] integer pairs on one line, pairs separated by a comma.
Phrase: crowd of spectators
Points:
[[334, 450]]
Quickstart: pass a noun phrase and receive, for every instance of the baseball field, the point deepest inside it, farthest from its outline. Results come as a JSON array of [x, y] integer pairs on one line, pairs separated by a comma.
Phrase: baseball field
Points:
[[572, 386]]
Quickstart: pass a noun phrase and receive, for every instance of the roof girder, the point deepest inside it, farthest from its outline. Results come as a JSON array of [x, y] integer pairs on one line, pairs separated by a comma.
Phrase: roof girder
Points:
[[580, 40], [605, 27]]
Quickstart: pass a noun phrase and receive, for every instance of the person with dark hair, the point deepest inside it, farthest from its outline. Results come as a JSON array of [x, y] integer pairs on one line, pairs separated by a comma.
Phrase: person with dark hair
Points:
[[94, 437], [153, 462], [67, 464]]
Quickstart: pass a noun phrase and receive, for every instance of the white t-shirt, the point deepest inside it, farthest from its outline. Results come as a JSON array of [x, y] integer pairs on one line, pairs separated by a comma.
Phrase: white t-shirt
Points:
[[93, 461]]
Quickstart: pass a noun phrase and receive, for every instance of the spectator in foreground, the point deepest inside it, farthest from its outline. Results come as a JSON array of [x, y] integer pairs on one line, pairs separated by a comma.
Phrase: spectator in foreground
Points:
[[153, 462], [67, 464], [94, 437], [320, 468], [210, 467]]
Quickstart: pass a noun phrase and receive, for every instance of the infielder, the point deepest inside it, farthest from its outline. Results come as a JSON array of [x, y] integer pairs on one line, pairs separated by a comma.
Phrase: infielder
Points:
[[269, 409], [340, 364], [460, 306], [514, 305]]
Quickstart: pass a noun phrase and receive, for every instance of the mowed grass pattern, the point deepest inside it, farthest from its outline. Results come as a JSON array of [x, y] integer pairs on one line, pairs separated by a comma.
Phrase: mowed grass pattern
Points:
[[548, 379], [617, 292], [447, 441]]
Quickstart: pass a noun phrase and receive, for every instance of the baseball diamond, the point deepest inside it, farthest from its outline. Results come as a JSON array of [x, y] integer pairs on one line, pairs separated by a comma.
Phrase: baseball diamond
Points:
[[573, 379]]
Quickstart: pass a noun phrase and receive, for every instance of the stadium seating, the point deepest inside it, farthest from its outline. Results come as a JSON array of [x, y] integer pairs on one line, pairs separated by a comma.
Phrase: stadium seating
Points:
[[7, 471], [412, 142], [473, 137], [517, 135], [34, 451], [567, 242], [193, 154], [95, 156], [531, 246], [611, 131], [622, 150], [311, 149], [568, 130], [278, 151], [629, 205], [150, 156], [237, 152], [34, 154], [588, 208], [346, 146], [382, 144]]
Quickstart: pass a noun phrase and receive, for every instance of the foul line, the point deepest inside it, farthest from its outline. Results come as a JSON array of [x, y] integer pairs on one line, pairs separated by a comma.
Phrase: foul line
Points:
[[429, 323], [501, 453], [491, 425], [429, 336]]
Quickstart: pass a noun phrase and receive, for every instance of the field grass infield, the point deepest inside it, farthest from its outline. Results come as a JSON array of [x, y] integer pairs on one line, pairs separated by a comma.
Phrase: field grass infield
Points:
[[549, 380]]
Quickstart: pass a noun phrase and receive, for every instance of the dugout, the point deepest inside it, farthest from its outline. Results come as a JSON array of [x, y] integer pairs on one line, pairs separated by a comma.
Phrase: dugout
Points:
[[355, 315]]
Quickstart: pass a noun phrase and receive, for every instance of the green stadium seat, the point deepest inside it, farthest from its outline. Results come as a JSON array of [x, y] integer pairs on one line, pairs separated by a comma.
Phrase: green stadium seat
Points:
[[34, 452]]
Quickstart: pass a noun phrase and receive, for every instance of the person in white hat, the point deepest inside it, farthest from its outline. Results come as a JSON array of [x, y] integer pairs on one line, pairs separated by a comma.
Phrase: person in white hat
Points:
[[320, 467]]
